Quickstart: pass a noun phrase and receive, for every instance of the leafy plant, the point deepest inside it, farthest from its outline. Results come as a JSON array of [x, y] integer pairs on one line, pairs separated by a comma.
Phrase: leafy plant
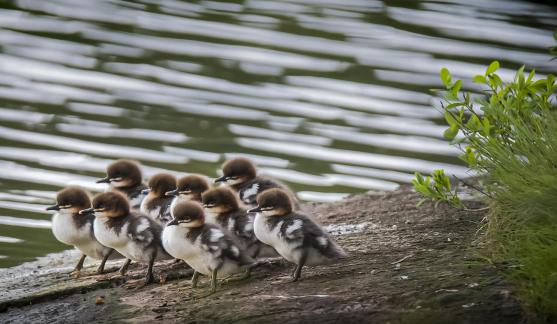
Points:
[[439, 189], [508, 135], [489, 124]]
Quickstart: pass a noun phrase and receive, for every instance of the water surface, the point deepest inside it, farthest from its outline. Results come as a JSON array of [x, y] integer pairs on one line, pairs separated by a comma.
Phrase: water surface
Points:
[[331, 97]]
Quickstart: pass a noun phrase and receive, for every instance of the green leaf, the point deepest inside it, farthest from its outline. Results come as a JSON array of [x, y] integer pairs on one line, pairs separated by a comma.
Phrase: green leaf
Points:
[[451, 132], [456, 87], [494, 66], [419, 178], [421, 202], [447, 183], [449, 96], [486, 127], [474, 124], [495, 81], [469, 157], [531, 76], [453, 105], [519, 76], [540, 83], [445, 77], [480, 79], [450, 118]]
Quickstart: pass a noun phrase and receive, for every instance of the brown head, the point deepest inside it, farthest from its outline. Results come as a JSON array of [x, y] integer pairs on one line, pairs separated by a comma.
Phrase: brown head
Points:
[[273, 202], [187, 214], [72, 200], [236, 171], [220, 200], [122, 174], [160, 183], [190, 187], [109, 204]]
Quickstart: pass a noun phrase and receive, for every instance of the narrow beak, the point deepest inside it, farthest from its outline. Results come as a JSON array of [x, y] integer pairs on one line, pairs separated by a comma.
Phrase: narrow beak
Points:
[[55, 207], [172, 193], [255, 210], [104, 180], [145, 191], [220, 179], [172, 222], [87, 211]]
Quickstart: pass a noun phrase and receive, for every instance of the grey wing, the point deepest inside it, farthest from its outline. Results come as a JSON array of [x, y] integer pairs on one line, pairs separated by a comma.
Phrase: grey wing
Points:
[[316, 237], [222, 245], [145, 231], [249, 194], [293, 230], [244, 227], [233, 251], [135, 201]]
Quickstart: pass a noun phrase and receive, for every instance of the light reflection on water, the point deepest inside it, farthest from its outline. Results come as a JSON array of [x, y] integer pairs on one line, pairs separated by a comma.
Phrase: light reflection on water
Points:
[[331, 97]]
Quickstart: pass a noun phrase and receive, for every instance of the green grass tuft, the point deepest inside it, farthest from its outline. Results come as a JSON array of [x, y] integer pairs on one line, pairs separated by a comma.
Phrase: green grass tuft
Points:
[[522, 226]]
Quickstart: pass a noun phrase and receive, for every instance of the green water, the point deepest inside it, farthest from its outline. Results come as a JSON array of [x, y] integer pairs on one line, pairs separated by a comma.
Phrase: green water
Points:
[[331, 97]]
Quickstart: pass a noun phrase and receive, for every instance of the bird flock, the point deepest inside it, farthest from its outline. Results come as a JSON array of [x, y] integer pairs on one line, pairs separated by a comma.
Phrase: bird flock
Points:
[[219, 231]]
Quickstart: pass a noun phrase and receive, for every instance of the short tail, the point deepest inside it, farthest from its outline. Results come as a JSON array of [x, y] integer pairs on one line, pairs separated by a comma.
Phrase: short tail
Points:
[[337, 252]]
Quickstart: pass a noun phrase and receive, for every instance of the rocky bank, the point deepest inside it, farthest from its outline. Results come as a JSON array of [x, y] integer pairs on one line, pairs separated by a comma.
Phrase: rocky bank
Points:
[[406, 265]]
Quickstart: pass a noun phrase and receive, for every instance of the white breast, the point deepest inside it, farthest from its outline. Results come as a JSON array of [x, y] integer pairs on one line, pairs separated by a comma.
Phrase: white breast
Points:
[[174, 202], [263, 233], [174, 242], [210, 217], [177, 245], [153, 213], [107, 236], [65, 231]]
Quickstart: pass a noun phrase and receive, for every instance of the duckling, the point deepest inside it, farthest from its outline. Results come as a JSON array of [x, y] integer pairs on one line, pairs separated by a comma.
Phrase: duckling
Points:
[[126, 177], [69, 227], [222, 208], [295, 236], [241, 175], [157, 204], [188, 188], [207, 248], [133, 235]]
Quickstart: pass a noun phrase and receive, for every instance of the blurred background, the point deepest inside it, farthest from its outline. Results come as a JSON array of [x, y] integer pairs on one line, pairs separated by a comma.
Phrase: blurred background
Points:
[[331, 97]]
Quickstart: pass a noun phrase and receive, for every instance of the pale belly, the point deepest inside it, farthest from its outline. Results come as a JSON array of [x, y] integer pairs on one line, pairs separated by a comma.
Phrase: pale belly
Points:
[[64, 230], [93, 249], [172, 242], [135, 252], [200, 260], [293, 253], [204, 263], [108, 237], [261, 231]]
